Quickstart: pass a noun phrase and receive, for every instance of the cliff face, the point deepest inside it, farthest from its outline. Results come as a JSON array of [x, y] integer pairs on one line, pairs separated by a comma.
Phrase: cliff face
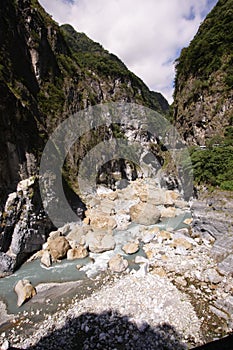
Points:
[[203, 95], [47, 73]]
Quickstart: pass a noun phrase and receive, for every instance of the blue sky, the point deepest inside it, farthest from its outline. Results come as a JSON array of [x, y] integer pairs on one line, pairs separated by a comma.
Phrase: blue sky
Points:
[[146, 35]]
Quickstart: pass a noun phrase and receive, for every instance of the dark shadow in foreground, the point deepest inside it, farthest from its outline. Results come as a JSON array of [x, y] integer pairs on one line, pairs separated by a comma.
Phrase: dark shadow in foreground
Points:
[[225, 343], [109, 330]]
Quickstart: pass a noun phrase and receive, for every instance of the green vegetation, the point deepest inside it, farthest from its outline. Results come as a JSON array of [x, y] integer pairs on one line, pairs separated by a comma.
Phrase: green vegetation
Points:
[[51, 99], [212, 47], [203, 88], [91, 56], [213, 166]]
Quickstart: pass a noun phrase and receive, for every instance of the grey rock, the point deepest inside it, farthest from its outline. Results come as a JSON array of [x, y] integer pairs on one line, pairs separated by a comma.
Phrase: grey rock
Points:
[[206, 219], [143, 270], [54, 234], [148, 237], [99, 242], [141, 260], [25, 226], [225, 267], [213, 222], [212, 276], [7, 263], [226, 305], [77, 233], [222, 247], [219, 313], [121, 184], [180, 250]]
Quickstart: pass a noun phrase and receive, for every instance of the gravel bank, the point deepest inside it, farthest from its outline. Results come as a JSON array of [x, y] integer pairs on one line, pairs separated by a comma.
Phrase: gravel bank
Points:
[[133, 313]]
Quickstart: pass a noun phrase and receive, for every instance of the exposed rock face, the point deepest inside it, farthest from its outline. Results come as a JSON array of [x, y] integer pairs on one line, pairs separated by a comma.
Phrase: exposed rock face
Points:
[[24, 225], [7, 264], [47, 73], [203, 88], [24, 291], [213, 221]]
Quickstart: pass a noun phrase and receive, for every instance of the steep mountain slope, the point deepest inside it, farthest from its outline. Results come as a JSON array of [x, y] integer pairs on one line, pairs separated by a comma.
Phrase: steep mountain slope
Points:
[[46, 74], [203, 96]]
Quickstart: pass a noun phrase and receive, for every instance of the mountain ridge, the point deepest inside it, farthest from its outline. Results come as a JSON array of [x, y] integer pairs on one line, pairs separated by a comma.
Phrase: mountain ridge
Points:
[[45, 80]]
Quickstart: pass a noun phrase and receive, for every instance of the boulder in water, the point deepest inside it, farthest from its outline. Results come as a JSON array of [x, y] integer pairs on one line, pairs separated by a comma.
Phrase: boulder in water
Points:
[[46, 259], [24, 291], [99, 242], [79, 252], [145, 214], [131, 248]]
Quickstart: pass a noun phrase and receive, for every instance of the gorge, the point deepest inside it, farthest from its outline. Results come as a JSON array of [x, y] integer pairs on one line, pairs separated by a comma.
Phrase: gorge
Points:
[[122, 255]]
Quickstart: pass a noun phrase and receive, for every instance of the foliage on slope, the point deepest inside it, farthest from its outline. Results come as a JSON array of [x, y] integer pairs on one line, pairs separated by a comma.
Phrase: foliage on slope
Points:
[[203, 97], [213, 166], [211, 49]]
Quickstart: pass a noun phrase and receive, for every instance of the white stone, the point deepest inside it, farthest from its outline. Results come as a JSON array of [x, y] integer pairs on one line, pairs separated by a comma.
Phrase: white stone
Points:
[[141, 260], [25, 184], [5, 345], [10, 200], [143, 271]]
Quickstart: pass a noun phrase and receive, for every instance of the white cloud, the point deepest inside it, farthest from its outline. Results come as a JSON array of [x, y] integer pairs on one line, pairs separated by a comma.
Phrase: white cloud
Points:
[[147, 35]]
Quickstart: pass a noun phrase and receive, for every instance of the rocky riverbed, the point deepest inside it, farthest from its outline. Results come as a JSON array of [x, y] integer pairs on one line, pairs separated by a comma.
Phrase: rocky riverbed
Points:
[[153, 280]]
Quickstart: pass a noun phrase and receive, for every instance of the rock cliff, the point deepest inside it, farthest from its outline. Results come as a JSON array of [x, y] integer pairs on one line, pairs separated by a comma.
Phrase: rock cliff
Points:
[[204, 79], [48, 73]]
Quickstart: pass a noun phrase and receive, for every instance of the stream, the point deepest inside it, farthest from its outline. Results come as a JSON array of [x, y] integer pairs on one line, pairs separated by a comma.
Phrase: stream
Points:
[[64, 272]]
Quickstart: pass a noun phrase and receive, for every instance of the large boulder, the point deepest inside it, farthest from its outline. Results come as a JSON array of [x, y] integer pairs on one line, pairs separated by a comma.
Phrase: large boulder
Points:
[[99, 242], [77, 233], [58, 247], [145, 214], [100, 220], [117, 263], [24, 291], [79, 252]]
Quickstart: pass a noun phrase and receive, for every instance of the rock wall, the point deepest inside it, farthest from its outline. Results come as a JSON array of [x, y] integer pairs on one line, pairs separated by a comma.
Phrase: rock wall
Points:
[[213, 221], [48, 73], [204, 79], [44, 79], [24, 226]]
